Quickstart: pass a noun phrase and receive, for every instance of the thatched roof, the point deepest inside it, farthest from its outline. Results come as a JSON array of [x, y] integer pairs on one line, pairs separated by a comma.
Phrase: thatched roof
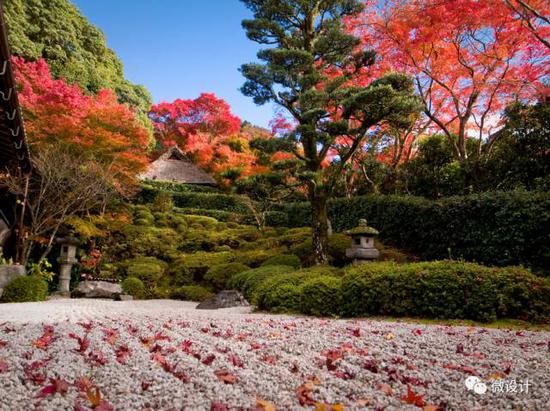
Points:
[[175, 167], [14, 152]]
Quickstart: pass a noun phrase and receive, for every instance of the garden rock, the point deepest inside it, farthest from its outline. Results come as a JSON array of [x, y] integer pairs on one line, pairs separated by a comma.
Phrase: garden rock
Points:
[[8, 273], [224, 299], [98, 289]]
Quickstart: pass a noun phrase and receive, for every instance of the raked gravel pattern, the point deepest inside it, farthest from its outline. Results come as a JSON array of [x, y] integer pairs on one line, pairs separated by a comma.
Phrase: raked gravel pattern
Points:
[[165, 355]]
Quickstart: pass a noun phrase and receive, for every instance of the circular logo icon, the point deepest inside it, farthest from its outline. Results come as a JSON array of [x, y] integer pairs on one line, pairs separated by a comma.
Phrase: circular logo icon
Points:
[[475, 384]]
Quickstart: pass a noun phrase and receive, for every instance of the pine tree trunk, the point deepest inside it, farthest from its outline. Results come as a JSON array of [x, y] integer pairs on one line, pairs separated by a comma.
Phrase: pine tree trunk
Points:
[[319, 225]]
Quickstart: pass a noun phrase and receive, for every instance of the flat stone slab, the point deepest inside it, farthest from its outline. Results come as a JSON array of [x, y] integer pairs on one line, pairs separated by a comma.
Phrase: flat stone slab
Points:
[[98, 289], [224, 299]]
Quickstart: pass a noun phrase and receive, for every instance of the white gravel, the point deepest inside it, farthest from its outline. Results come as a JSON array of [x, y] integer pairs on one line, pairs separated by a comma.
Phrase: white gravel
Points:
[[169, 355]]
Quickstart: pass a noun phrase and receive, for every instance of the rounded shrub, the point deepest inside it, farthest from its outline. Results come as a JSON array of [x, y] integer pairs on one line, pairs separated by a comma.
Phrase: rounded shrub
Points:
[[247, 281], [266, 294], [283, 259], [25, 289], [134, 286], [179, 274], [218, 275], [254, 258], [191, 293], [321, 296], [200, 262], [147, 269], [283, 298]]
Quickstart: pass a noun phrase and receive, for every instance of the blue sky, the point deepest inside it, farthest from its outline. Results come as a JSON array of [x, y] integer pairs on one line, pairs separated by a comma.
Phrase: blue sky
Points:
[[180, 48]]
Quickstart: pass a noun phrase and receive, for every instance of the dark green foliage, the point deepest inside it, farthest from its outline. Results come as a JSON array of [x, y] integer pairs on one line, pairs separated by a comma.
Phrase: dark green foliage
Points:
[[73, 48], [321, 296], [255, 257], [199, 263], [247, 281], [148, 241], [219, 274], [445, 289], [25, 289], [134, 286], [211, 201], [283, 259], [268, 295], [520, 158], [494, 228], [191, 293], [147, 269]]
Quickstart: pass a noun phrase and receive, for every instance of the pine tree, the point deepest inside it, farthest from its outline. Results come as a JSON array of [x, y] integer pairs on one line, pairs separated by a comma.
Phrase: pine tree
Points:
[[319, 74]]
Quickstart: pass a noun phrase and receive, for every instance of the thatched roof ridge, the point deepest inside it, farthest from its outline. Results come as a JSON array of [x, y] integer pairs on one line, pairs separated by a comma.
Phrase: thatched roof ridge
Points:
[[174, 166]]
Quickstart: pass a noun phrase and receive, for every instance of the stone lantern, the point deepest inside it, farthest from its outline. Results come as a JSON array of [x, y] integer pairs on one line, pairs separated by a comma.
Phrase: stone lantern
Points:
[[362, 243], [67, 259]]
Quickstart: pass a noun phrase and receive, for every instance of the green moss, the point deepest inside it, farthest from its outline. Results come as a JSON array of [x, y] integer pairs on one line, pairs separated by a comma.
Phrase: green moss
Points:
[[247, 281], [25, 289]]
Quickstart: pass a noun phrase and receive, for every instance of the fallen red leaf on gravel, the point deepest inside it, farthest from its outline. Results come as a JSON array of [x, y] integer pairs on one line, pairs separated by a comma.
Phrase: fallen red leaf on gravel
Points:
[[3, 343], [412, 398], [304, 394], [83, 342], [57, 385], [122, 353], [209, 359], [236, 361], [46, 339], [3, 366], [263, 405], [218, 406], [225, 376], [385, 388]]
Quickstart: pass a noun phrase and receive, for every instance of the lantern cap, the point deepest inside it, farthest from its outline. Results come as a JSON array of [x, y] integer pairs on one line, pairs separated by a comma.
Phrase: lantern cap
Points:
[[68, 240], [363, 229]]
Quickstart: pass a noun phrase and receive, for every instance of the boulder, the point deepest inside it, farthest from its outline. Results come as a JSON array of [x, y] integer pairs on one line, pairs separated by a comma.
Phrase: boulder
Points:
[[98, 289], [224, 299], [8, 273]]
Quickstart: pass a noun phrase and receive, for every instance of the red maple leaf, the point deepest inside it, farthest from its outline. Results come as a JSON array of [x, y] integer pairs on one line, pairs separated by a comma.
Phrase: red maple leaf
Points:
[[58, 385], [225, 376], [412, 398], [209, 359], [3, 366], [304, 394], [83, 342]]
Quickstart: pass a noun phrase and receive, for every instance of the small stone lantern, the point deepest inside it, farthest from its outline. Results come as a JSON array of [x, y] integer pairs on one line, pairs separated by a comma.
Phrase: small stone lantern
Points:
[[67, 259], [362, 243]]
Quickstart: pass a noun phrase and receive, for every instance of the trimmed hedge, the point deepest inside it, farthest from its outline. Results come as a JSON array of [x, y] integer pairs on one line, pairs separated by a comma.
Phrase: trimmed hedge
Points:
[[271, 293], [321, 295], [494, 228], [25, 289], [445, 289]]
